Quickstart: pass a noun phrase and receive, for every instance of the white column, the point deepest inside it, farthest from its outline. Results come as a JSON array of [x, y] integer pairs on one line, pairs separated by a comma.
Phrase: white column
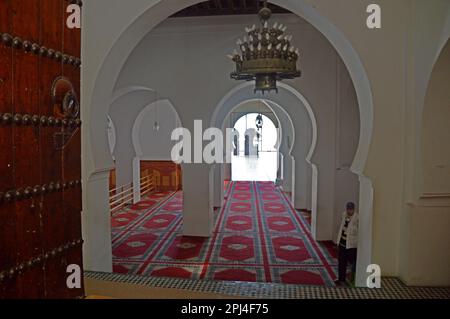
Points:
[[287, 173], [136, 180], [198, 188], [364, 257], [280, 169], [301, 184], [218, 185], [323, 214], [227, 172], [96, 220]]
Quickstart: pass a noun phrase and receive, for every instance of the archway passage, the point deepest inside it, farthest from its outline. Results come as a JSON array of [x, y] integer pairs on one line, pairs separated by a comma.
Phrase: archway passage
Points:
[[258, 236], [255, 149]]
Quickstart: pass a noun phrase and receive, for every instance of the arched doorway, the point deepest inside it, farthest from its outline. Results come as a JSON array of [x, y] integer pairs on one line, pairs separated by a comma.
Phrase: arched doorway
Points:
[[151, 136], [435, 130], [109, 73], [256, 150]]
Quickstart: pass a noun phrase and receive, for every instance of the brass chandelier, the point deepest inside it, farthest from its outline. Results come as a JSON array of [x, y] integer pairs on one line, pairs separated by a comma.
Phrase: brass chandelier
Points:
[[266, 55]]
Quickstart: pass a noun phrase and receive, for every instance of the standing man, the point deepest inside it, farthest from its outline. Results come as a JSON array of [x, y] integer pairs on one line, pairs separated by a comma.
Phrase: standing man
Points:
[[347, 243]]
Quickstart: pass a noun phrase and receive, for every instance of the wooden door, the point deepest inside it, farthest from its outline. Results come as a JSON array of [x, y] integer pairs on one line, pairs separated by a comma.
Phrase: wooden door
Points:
[[40, 162]]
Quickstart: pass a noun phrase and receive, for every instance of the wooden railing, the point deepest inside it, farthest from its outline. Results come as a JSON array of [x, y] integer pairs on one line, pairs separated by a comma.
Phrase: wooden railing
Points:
[[121, 196], [148, 183]]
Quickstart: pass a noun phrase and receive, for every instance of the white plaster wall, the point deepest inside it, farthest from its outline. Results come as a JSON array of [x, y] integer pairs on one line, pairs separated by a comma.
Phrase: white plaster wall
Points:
[[124, 112], [425, 238], [414, 32], [302, 176], [286, 144], [153, 144], [436, 128], [426, 255]]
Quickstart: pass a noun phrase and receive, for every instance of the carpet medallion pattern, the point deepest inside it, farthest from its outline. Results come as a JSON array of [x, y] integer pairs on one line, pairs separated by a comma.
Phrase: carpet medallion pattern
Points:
[[258, 237]]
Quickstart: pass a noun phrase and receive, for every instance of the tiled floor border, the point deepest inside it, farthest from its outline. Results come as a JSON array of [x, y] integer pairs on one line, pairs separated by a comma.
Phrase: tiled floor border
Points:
[[392, 288]]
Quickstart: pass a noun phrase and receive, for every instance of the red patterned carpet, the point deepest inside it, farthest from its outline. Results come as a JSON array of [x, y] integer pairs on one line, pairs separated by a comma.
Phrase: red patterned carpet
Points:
[[258, 237]]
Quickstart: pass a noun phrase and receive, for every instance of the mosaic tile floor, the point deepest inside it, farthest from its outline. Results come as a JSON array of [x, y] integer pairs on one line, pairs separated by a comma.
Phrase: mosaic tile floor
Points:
[[392, 288]]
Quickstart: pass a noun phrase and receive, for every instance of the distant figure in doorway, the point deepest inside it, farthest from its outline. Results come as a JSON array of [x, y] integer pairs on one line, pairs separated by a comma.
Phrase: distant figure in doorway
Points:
[[236, 149], [347, 243], [250, 148]]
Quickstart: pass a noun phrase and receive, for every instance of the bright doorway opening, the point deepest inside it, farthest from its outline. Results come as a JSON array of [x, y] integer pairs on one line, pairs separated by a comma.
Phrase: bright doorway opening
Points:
[[255, 150]]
